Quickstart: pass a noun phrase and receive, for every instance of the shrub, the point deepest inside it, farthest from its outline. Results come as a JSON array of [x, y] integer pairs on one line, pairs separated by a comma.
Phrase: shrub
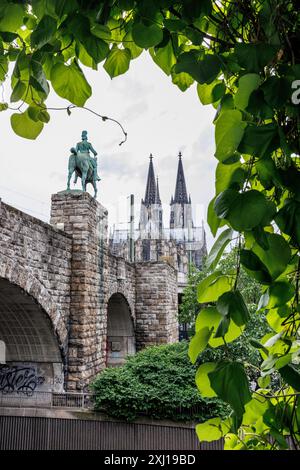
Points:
[[158, 382]]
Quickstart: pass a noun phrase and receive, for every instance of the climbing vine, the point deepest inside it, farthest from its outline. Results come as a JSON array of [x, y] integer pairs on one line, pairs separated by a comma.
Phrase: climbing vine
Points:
[[243, 56]]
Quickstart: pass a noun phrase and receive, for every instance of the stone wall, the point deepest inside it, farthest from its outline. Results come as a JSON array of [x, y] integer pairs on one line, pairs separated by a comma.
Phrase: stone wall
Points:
[[67, 270], [37, 258], [156, 304]]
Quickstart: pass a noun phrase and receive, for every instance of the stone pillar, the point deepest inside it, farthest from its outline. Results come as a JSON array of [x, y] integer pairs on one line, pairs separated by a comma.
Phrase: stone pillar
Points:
[[85, 219], [156, 304]]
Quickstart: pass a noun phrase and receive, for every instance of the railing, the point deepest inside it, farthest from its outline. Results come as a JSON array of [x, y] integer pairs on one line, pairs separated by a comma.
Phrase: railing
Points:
[[48, 399]]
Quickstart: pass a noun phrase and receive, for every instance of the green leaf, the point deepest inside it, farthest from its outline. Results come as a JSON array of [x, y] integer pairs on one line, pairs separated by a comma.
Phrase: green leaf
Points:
[[230, 383], [128, 43], [69, 82], [164, 57], [288, 219], [18, 91], [279, 293], [79, 26], [12, 17], [291, 376], [198, 343], [229, 133], [229, 176], [263, 382], [255, 267], [277, 91], [210, 318], [38, 79], [202, 379], [117, 62], [247, 84], [276, 257], [211, 93], [24, 126], [254, 57], [244, 211], [256, 344], [174, 25], [203, 70], [3, 106], [283, 361], [102, 31], [268, 173], [44, 32], [44, 116], [64, 7], [33, 113], [222, 328], [3, 67], [224, 202], [232, 305], [255, 409], [84, 57], [96, 48], [182, 80], [44, 7], [260, 141], [214, 285], [218, 248], [146, 36], [275, 320], [213, 221], [211, 430]]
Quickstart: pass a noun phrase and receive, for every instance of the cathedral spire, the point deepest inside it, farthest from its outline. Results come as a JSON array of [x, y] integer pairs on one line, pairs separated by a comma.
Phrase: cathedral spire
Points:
[[150, 194], [180, 190], [157, 195]]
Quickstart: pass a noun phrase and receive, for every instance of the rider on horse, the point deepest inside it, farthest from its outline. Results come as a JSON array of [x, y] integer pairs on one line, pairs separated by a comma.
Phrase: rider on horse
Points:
[[84, 147]]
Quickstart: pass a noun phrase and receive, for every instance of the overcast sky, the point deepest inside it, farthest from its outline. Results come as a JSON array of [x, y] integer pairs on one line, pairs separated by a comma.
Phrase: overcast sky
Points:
[[158, 118]]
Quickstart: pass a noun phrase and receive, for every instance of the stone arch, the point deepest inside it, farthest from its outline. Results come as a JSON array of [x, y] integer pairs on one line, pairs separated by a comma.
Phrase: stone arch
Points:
[[120, 289], [34, 334], [120, 330], [18, 275]]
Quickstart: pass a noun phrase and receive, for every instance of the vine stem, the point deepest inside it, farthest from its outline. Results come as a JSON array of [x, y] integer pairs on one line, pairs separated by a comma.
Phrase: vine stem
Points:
[[104, 118]]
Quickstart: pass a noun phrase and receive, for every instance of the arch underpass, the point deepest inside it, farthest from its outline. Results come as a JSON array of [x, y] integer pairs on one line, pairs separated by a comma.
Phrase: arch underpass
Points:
[[120, 330], [33, 357]]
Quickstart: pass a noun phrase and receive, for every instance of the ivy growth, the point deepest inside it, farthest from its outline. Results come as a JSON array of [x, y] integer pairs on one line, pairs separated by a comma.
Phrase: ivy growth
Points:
[[244, 58]]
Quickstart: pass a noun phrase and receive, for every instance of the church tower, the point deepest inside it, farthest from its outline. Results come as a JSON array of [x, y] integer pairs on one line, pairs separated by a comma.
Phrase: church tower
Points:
[[151, 221], [181, 220]]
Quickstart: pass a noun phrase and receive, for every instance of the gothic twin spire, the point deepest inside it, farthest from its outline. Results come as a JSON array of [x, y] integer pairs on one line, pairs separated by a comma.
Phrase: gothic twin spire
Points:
[[152, 189]]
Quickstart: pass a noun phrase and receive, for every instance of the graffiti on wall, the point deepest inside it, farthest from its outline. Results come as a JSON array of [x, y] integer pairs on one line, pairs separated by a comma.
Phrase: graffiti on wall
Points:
[[19, 379]]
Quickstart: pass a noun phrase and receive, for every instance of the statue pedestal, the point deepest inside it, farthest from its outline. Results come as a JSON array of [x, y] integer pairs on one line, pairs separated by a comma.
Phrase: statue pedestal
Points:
[[85, 220]]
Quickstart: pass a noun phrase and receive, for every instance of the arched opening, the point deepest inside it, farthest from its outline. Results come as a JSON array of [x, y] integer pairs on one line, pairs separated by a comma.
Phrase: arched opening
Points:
[[33, 357], [120, 331]]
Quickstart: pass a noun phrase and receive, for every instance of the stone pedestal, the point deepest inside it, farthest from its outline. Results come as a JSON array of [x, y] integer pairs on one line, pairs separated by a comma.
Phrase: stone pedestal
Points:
[[85, 219]]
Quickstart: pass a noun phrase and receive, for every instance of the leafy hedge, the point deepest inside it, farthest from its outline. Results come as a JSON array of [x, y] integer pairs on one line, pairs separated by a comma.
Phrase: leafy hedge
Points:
[[158, 382]]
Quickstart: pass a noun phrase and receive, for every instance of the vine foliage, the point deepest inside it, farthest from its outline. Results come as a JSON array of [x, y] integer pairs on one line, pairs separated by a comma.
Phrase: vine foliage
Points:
[[244, 58]]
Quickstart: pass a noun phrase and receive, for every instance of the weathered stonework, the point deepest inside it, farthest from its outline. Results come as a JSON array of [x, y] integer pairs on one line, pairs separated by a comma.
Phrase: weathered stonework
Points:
[[156, 304], [82, 217], [75, 282]]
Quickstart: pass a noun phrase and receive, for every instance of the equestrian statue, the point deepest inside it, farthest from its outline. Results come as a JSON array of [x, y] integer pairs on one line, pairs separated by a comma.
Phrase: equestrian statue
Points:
[[84, 166]]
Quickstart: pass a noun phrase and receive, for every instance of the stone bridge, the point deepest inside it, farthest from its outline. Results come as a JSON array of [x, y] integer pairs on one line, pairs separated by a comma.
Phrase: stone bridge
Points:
[[68, 308]]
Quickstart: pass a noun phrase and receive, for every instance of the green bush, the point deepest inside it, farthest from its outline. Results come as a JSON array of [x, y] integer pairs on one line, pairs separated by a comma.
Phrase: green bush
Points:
[[158, 382]]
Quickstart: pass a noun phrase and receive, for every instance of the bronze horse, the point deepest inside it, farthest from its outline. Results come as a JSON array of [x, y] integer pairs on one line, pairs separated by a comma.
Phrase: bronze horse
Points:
[[81, 163]]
